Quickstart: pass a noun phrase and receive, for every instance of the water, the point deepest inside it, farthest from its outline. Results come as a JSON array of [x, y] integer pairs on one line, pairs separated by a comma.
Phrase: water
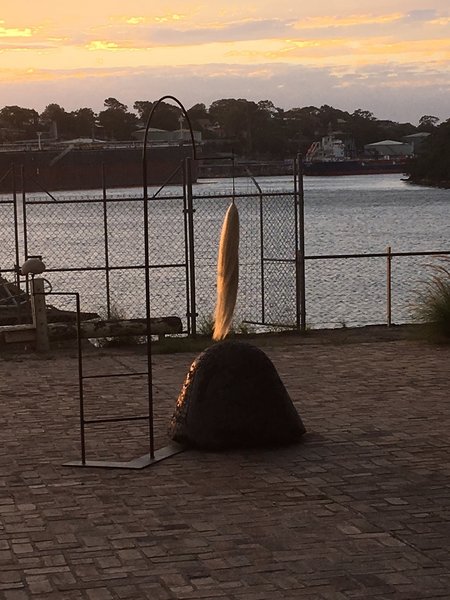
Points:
[[361, 215], [365, 214], [343, 215]]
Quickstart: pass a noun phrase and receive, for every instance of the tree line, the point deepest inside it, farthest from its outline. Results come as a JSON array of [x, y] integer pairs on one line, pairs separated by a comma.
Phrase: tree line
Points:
[[432, 163], [255, 130]]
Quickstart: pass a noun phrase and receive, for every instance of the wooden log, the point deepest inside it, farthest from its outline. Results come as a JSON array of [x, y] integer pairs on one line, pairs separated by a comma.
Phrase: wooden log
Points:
[[109, 328], [10, 334], [159, 326]]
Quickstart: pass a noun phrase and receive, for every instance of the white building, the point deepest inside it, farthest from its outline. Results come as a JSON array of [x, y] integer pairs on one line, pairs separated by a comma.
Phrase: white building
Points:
[[389, 148], [416, 139]]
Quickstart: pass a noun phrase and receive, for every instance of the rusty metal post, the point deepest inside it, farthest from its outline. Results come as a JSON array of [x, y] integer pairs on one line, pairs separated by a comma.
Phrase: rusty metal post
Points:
[[389, 286], [191, 243], [106, 243], [300, 245]]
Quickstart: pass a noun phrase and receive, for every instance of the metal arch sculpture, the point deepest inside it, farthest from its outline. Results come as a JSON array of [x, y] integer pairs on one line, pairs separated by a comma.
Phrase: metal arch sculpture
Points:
[[147, 128], [147, 260], [228, 261]]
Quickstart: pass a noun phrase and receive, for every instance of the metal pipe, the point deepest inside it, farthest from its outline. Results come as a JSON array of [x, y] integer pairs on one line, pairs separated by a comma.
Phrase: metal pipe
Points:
[[186, 249], [25, 229], [80, 371], [106, 242], [147, 256], [261, 241], [148, 316], [16, 238], [116, 419], [190, 219], [389, 286], [261, 255], [80, 381], [16, 225], [108, 375], [300, 271]]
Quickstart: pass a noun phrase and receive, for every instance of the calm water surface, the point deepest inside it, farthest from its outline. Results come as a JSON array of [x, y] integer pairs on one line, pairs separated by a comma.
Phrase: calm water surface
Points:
[[343, 215]]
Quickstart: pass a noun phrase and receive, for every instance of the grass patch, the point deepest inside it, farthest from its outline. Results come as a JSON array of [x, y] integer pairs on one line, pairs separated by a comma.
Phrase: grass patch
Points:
[[432, 309], [116, 313], [205, 327]]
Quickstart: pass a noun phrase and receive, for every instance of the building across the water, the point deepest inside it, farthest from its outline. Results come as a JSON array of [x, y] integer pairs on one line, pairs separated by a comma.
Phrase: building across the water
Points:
[[86, 163], [389, 149]]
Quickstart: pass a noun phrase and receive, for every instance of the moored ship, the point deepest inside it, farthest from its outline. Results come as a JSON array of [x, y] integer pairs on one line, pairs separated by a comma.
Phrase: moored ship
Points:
[[330, 157]]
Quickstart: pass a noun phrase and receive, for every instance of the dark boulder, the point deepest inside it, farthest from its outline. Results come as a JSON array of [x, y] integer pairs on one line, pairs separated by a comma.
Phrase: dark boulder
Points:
[[233, 397]]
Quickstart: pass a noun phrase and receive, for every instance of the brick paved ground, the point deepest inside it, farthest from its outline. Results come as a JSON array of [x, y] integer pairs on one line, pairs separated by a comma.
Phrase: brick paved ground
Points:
[[360, 510]]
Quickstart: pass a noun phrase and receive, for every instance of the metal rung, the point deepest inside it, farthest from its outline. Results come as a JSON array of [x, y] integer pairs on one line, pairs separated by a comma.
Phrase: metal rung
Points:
[[113, 375], [115, 419]]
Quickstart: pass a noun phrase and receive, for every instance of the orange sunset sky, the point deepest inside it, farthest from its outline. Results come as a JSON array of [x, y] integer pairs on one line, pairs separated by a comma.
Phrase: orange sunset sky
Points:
[[390, 57]]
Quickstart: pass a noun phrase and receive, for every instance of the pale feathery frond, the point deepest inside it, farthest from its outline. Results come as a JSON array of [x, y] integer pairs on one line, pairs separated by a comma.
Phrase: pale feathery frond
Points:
[[227, 273]]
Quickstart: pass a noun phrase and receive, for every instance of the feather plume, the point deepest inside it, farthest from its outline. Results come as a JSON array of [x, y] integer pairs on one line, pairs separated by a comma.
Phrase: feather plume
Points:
[[227, 273]]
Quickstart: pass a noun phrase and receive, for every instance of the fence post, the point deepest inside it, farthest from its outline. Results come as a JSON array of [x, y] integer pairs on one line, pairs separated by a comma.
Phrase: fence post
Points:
[[191, 243], [39, 312], [106, 242], [24, 222], [389, 286], [300, 251]]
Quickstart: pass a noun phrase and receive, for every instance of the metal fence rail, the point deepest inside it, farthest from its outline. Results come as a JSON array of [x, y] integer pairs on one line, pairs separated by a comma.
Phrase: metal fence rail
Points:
[[360, 284], [93, 243]]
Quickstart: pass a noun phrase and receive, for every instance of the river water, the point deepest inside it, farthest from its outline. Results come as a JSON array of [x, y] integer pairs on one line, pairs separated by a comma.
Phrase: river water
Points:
[[361, 215], [365, 214], [343, 215]]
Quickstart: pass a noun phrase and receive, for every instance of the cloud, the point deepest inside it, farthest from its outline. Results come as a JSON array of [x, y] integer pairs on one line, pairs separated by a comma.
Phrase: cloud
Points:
[[175, 30], [355, 20], [135, 20], [256, 50], [421, 16], [258, 29], [28, 44], [14, 32], [163, 34], [380, 89], [99, 45]]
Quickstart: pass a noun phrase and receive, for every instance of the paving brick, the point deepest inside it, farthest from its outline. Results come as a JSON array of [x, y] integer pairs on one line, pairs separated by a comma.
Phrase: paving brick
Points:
[[359, 510]]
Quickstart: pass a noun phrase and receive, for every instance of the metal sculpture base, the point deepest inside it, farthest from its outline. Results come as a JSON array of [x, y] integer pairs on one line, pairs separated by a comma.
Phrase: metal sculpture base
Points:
[[138, 463]]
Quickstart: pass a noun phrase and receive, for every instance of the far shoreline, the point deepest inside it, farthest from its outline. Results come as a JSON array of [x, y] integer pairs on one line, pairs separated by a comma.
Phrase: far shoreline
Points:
[[442, 184]]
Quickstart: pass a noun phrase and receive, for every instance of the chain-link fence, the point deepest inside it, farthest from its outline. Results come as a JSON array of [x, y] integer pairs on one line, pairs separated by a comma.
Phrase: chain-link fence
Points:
[[94, 244], [96, 247], [8, 234], [267, 251]]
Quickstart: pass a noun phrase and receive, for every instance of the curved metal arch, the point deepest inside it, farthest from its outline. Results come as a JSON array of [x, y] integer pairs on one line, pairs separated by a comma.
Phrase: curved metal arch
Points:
[[147, 128], [147, 262]]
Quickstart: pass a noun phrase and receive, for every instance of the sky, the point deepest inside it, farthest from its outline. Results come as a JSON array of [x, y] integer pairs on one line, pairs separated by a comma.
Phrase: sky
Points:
[[391, 57]]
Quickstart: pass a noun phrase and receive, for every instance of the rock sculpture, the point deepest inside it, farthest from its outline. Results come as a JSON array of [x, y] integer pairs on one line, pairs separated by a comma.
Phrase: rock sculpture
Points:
[[233, 397]]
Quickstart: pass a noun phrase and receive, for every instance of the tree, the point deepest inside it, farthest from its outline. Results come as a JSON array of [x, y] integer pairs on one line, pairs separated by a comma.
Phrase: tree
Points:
[[143, 108], [428, 123], [363, 128], [432, 164], [303, 126], [117, 122], [237, 119], [83, 122], [269, 108], [198, 113], [114, 104], [365, 115], [57, 121], [166, 116], [18, 122]]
